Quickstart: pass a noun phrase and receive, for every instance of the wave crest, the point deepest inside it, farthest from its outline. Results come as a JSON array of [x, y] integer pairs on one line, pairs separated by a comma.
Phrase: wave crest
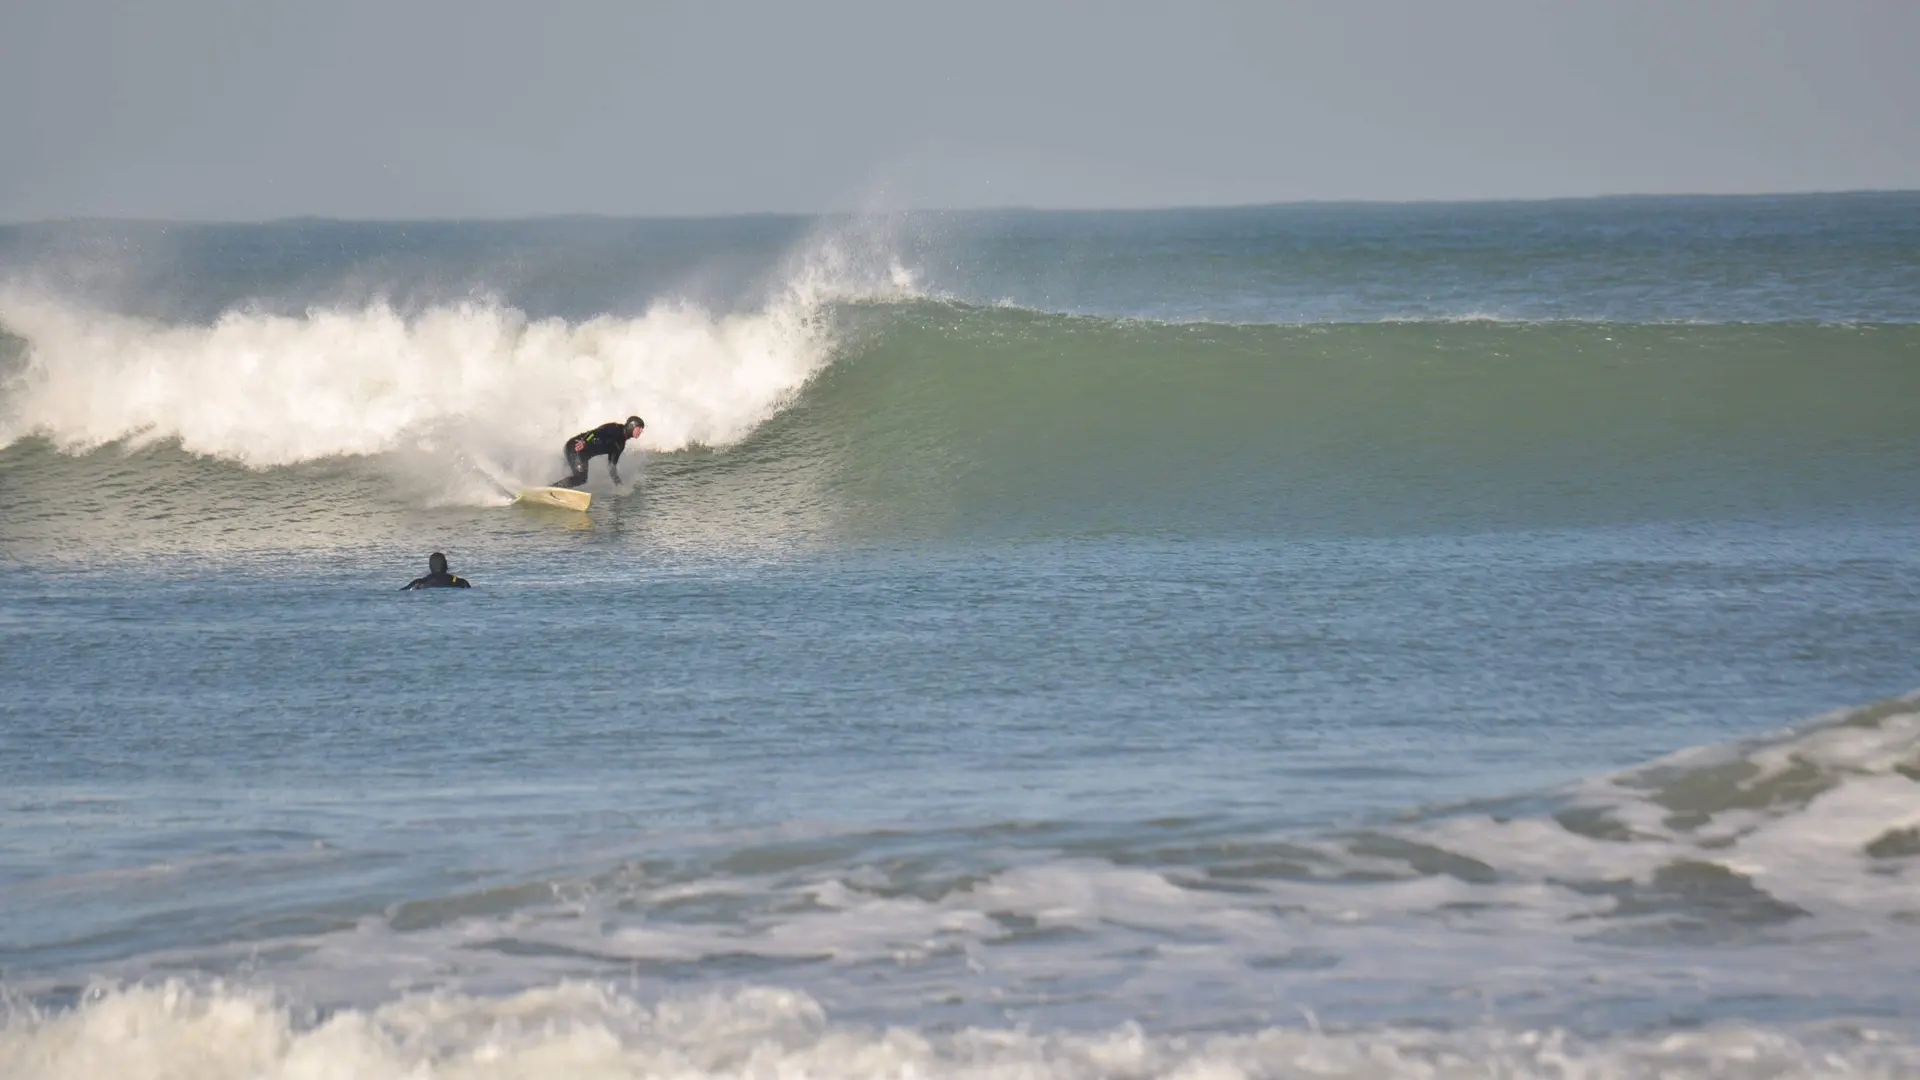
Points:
[[267, 390], [479, 378]]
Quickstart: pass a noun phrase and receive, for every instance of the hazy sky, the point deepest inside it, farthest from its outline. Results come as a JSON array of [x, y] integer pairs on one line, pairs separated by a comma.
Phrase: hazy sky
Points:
[[457, 108]]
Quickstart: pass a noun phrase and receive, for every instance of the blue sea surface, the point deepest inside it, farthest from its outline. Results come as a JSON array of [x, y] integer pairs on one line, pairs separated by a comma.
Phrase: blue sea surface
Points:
[[1335, 641]]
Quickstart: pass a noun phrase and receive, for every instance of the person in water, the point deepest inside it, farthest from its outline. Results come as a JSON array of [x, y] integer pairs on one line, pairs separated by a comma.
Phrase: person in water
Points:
[[609, 439], [437, 576]]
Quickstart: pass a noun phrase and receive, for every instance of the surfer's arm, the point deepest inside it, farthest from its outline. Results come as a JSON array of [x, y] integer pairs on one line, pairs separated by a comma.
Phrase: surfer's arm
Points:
[[414, 584], [462, 583], [613, 460]]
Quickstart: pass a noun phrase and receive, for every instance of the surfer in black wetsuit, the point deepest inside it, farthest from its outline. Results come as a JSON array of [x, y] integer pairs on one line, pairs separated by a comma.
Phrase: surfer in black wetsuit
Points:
[[609, 439], [437, 576]]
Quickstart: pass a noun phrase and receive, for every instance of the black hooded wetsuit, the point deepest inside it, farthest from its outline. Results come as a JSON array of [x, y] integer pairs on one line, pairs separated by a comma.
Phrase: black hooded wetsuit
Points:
[[437, 576], [609, 439]]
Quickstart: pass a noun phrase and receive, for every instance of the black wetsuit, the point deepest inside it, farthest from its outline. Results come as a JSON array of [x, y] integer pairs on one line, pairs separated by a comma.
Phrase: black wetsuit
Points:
[[437, 576], [609, 439]]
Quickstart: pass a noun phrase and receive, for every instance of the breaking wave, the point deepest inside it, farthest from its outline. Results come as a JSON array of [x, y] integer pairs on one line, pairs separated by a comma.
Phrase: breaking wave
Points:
[[590, 1031], [1625, 900]]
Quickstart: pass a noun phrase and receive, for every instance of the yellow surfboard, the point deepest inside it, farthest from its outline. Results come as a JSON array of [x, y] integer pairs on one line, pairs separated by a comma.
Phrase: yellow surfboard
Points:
[[564, 498]]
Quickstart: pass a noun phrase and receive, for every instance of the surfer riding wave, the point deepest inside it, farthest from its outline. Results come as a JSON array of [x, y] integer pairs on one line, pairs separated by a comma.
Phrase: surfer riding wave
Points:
[[609, 439]]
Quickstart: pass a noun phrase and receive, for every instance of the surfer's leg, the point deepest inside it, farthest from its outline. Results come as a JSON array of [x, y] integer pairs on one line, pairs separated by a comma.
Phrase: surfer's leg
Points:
[[578, 465]]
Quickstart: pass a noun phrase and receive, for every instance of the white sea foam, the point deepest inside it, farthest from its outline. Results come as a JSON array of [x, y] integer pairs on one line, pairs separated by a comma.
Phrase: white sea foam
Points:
[[479, 378], [478, 383], [590, 1030], [1537, 923], [1796, 815]]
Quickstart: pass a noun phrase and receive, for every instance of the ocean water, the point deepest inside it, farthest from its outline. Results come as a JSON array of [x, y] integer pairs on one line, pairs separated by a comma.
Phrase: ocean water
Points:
[[1320, 641]]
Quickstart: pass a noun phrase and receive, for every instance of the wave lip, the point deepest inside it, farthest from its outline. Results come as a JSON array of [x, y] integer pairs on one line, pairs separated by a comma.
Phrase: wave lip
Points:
[[268, 390]]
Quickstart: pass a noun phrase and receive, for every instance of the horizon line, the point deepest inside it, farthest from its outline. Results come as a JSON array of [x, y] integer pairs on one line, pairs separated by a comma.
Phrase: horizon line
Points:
[[590, 215]]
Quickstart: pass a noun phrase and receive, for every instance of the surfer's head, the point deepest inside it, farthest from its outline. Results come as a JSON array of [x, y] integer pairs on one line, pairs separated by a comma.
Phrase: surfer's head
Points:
[[635, 426], [436, 563]]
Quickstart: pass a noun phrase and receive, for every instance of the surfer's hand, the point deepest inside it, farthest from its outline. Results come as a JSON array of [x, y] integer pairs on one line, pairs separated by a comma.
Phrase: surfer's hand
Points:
[[615, 473]]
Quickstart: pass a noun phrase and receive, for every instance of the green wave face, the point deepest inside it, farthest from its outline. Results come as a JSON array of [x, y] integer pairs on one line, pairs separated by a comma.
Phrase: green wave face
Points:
[[941, 419]]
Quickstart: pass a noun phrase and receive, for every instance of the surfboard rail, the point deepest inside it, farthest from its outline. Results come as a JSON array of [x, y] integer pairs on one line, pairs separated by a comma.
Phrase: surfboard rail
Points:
[[564, 498]]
